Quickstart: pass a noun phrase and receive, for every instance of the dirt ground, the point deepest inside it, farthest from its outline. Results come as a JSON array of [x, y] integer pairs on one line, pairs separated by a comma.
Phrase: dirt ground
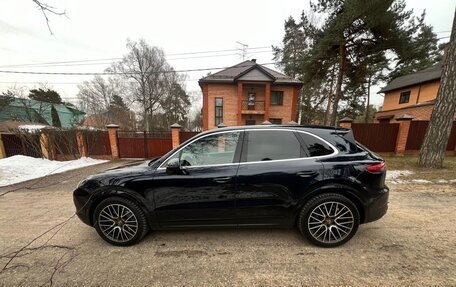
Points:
[[414, 244]]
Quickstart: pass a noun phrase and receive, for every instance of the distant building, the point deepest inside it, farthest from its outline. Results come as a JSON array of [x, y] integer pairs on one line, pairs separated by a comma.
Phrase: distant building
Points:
[[32, 111], [412, 94], [248, 94], [125, 119]]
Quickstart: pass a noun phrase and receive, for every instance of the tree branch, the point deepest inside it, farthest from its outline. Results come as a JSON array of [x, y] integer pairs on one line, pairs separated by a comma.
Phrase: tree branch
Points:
[[48, 9]]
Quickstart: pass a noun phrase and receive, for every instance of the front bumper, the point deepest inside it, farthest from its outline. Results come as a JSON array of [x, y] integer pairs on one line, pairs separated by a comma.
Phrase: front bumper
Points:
[[378, 206], [82, 203]]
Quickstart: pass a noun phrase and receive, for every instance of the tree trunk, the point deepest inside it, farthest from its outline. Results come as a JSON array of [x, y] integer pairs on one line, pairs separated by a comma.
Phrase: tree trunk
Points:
[[330, 96], [340, 79], [366, 119], [300, 99], [439, 129]]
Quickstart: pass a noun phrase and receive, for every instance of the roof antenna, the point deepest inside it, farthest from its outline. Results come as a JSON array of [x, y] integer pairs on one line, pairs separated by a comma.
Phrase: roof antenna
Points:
[[243, 50]]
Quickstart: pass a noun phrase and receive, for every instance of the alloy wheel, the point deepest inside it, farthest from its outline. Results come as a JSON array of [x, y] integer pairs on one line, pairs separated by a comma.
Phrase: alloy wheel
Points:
[[118, 222], [330, 222]]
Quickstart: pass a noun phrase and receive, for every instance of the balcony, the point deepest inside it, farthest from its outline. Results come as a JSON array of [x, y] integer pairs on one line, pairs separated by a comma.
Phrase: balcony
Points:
[[253, 107]]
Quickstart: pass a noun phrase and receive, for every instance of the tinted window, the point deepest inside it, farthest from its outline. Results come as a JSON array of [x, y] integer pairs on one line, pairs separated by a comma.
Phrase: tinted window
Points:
[[213, 149], [272, 145], [315, 147]]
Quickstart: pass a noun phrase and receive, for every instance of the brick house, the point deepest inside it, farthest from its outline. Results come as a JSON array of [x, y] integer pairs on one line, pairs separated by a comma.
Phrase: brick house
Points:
[[248, 94], [412, 94]]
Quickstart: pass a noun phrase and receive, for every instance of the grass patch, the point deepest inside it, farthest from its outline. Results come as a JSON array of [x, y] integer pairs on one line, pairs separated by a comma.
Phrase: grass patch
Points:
[[410, 162]]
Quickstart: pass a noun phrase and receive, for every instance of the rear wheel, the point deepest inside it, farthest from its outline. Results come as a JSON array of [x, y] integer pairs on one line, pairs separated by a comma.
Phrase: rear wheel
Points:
[[120, 221], [329, 220]]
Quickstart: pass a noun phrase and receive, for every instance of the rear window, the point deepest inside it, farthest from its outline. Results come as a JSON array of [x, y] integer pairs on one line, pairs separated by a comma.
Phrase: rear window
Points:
[[344, 145], [315, 146], [272, 145]]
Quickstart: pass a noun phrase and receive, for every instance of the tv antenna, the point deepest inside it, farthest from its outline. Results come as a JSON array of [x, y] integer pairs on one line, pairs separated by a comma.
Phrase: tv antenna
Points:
[[243, 50]]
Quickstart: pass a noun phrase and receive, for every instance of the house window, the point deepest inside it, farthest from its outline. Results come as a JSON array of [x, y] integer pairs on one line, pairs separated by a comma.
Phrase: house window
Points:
[[405, 97], [250, 122], [276, 98], [218, 111], [276, 121]]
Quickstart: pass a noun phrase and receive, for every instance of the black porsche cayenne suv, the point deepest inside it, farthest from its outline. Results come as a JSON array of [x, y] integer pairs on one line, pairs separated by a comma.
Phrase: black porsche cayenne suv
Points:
[[316, 178]]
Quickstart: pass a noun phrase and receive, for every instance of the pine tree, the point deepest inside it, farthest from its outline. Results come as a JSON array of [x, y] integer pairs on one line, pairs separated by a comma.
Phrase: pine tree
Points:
[[438, 132]]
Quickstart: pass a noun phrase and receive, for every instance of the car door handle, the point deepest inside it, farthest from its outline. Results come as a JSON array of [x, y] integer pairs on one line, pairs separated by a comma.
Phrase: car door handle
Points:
[[306, 173], [224, 179]]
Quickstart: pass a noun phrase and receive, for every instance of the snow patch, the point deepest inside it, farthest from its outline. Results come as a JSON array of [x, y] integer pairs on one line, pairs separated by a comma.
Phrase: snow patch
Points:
[[421, 181], [394, 174], [31, 128], [20, 168]]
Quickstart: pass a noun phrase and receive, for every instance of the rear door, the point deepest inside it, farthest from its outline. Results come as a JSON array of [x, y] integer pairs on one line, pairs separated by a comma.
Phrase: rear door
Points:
[[274, 172]]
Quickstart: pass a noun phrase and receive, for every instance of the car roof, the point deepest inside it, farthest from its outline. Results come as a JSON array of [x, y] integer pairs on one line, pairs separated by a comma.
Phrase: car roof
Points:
[[297, 127]]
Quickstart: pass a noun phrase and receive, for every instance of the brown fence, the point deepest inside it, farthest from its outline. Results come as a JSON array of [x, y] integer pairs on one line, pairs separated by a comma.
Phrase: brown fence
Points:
[[376, 137], [418, 131], [143, 144], [183, 136], [64, 144], [97, 143], [17, 145]]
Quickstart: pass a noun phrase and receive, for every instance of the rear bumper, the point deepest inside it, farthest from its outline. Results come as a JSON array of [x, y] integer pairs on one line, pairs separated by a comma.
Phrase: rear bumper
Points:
[[378, 206]]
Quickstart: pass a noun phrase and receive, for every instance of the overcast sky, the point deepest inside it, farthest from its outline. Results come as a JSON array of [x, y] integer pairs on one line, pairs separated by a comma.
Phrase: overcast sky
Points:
[[97, 30]]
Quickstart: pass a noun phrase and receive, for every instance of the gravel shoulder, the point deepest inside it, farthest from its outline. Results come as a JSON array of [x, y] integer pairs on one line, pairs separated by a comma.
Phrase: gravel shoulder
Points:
[[412, 245]]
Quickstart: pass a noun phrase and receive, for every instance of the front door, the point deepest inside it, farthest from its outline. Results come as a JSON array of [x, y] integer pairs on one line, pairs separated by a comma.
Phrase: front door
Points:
[[203, 193], [274, 173]]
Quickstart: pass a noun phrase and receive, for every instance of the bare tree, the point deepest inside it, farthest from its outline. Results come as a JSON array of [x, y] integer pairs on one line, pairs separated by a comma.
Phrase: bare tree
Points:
[[104, 100], [96, 95], [439, 129], [149, 75], [47, 9]]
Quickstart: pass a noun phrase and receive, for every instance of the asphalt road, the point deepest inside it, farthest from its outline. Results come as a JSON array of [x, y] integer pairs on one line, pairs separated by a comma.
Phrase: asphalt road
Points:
[[414, 244]]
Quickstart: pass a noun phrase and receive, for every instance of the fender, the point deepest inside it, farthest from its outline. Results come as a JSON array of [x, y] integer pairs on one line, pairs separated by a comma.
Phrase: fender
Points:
[[342, 187], [109, 191]]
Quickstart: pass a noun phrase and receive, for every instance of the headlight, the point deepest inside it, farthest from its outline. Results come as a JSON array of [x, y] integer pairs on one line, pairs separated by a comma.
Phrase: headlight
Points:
[[82, 182]]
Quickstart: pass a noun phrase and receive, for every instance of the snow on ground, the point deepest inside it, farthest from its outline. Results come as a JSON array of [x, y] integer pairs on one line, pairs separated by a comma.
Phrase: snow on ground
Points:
[[394, 177], [395, 174], [20, 168]]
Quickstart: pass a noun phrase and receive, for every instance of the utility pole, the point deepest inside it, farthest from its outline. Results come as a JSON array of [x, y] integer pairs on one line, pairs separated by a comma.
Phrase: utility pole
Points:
[[243, 50]]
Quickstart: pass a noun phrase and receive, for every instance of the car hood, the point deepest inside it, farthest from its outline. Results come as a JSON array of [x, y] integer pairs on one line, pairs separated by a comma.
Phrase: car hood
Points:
[[118, 175]]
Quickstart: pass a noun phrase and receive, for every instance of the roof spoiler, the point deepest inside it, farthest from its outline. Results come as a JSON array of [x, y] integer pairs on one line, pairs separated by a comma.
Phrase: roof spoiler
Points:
[[346, 134]]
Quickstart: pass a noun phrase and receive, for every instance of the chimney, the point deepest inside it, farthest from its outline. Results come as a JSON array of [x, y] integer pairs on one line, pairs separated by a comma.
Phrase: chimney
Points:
[[253, 60]]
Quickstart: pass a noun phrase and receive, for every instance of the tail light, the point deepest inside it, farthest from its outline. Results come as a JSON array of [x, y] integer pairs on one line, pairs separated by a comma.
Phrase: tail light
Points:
[[380, 167]]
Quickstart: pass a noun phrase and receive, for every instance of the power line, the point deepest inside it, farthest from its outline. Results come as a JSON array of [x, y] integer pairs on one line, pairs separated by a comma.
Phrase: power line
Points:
[[119, 73], [108, 63], [115, 59]]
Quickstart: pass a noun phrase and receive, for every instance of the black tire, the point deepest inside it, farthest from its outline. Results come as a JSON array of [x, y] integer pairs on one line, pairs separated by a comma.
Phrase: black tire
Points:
[[340, 232], [128, 233]]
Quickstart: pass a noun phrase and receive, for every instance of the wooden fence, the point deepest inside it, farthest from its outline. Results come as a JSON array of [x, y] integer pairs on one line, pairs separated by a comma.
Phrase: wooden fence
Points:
[[376, 137], [17, 145], [184, 136], [417, 132], [133, 144], [97, 143]]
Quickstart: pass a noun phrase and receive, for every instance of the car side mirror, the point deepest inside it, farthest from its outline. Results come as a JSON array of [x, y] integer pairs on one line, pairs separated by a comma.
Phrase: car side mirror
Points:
[[173, 166]]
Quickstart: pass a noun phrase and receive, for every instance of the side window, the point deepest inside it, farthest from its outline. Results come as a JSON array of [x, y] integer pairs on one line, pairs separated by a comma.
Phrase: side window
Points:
[[271, 145], [218, 111], [404, 97], [315, 147], [213, 149]]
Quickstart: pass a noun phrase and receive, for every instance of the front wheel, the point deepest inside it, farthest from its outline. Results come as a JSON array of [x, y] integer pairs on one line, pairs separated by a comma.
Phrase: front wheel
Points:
[[120, 221], [329, 220]]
